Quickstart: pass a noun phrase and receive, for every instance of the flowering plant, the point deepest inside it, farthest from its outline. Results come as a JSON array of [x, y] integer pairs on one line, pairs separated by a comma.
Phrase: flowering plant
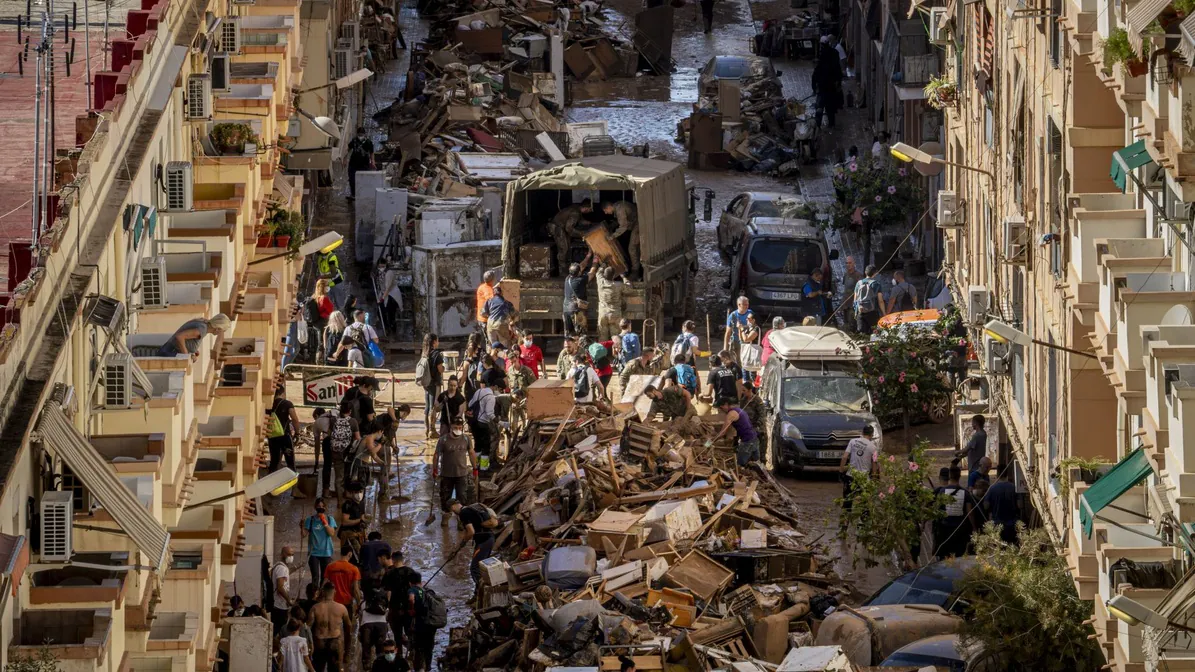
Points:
[[903, 369], [872, 192], [890, 505]]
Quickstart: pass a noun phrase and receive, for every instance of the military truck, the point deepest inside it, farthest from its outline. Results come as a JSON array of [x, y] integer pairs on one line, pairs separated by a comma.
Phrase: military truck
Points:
[[667, 229]]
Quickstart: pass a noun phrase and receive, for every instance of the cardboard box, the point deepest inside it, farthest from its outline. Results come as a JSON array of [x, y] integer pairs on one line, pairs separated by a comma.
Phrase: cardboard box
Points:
[[549, 399], [672, 521]]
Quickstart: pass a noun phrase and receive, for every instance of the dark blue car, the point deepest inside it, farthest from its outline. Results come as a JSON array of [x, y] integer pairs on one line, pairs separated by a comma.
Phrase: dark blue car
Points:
[[934, 584]]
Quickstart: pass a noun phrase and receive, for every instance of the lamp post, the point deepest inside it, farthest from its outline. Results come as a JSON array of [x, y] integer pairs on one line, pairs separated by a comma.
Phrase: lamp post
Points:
[[1134, 613], [910, 154], [274, 483], [323, 243], [1007, 333]]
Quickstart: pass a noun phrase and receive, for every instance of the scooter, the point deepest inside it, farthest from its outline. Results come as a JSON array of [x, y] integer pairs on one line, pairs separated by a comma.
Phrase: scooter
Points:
[[805, 132]]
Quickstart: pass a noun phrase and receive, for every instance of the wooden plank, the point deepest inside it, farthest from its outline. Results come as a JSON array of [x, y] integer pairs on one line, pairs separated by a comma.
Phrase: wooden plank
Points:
[[709, 522], [659, 495], [606, 248]]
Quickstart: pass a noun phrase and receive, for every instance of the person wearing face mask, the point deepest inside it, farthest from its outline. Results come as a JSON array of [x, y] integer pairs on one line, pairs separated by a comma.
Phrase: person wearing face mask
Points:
[[320, 530], [360, 158], [454, 460], [352, 516], [237, 606], [389, 661], [450, 404], [280, 577], [531, 356]]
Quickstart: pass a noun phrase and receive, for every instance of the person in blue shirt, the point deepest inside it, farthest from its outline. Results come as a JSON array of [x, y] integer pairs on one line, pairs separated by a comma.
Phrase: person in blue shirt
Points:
[[1001, 499], [817, 297], [736, 320], [320, 529]]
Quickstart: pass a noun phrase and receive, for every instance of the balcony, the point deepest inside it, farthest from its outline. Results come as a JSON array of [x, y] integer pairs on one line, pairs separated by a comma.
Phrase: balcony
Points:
[[1169, 347], [192, 585], [1118, 259], [1179, 411], [228, 432], [1179, 141], [214, 195], [176, 663], [1096, 216], [240, 97], [80, 639], [173, 631], [71, 585], [258, 73], [131, 454], [203, 224]]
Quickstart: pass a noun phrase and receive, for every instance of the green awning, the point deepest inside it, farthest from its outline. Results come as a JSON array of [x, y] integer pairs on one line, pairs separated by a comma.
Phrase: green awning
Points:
[[1128, 159], [1117, 481]]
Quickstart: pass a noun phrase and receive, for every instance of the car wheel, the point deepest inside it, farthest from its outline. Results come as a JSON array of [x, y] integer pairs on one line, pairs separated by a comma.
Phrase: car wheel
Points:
[[940, 409]]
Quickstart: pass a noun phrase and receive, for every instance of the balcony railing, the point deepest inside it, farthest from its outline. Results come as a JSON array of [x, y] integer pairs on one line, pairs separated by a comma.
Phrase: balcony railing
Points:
[[1097, 216]]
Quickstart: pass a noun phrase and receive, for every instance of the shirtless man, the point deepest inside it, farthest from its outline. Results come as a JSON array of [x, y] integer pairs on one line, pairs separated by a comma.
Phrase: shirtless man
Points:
[[329, 620]]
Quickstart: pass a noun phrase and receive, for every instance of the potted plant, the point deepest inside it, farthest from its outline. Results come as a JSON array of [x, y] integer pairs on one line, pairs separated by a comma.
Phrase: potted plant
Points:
[[230, 138], [286, 227], [266, 236], [1118, 49], [941, 92]]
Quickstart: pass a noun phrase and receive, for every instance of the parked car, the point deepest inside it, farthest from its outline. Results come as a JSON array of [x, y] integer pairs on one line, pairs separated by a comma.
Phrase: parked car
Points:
[[773, 263], [935, 584], [940, 651], [869, 635], [743, 69], [747, 206], [815, 406]]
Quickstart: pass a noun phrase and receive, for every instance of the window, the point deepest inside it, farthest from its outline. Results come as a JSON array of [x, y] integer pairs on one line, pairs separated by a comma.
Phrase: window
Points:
[[989, 233], [1052, 401], [989, 124], [1057, 36], [1018, 378], [792, 257], [79, 492]]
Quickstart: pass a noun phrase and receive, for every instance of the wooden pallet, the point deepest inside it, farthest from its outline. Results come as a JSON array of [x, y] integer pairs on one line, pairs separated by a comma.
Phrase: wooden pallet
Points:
[[641, 442]]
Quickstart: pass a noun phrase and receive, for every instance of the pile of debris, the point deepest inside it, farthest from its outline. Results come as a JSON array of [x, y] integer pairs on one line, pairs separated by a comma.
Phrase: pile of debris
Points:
[[640, 539]]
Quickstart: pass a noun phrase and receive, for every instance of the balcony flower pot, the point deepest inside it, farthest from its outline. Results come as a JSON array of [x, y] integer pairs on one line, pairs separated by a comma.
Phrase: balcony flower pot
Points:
[[1136, 67], [230, 138], [264, 240], [282, 240]]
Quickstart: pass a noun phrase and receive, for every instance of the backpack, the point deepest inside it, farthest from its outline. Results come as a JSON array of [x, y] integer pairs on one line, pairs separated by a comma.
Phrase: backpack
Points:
[[423, 372], [311, 312], [686, 378], [631, 348], [682, 345], [581, 383], [489, 519], [274, 426], [597, 351], [436, 612], [866, 296], [342, 434]]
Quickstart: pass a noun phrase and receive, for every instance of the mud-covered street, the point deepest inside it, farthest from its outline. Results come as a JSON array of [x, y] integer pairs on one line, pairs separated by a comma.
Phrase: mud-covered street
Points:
[[643, 109]]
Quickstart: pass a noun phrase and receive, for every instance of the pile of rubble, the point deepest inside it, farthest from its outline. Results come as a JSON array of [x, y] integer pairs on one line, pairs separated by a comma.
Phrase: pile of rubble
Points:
[[640, 539]]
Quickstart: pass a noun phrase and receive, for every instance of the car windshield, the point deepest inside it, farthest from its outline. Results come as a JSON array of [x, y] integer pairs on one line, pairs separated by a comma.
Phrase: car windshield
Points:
[[730, 68], [781, 207], [917, 660], [792, 257], [824, 393]]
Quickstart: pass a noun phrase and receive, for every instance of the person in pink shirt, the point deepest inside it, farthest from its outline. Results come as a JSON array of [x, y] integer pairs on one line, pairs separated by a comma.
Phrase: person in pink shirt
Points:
[[531, 356]]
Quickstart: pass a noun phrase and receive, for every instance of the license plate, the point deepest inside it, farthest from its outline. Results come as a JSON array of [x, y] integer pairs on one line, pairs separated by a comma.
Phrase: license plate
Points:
[[808, 44], [786, 296], [828, 454]]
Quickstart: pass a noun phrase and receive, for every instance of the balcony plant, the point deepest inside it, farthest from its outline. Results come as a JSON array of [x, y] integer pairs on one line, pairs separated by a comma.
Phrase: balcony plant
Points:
[[285, 227], [941, 93], [1118, 49], [230, 138]]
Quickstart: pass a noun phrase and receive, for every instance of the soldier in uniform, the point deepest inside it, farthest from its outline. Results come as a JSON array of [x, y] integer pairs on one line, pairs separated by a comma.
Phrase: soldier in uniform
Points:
[[563, 228], [752, 405], [672, 402], [639, 366], [627, 216], [564, 362]]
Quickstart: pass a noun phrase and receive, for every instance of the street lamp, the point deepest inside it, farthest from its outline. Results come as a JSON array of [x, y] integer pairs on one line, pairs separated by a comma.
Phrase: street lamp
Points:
[[1134, 613], [274, 483], [326, 125], [1006, 333], [910, 154]]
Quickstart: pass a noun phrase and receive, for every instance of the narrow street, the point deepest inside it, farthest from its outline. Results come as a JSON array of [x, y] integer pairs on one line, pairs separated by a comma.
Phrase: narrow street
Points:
[[644, 109]]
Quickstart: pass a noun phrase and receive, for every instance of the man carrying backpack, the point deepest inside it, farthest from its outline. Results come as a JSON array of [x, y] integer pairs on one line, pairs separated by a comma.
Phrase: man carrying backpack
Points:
[[869, 296], [428, 613], [587, 386], [478, 521], [429, 374], [685, 375], [482, 420], [629, 345], [343, 433], [686, 345]]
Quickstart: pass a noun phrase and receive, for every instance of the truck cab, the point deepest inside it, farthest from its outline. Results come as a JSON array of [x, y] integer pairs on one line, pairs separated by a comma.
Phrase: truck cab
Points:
[[814, 403]]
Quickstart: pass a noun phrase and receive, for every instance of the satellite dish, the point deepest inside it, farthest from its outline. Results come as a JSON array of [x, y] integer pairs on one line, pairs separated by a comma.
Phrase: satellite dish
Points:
[[930, 169]]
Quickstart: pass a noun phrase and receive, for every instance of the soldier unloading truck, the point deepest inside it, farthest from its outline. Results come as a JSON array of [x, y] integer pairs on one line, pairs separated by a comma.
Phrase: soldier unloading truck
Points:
[[643, 229]]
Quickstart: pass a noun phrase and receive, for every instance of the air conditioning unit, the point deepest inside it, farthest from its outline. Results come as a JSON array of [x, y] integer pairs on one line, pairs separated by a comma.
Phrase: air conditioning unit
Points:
[[978, 301], [179, 194], [1016, 253], [949, 216], [106, 312], [153, 283], [1015, 238], [936, 16], [230, 35], [345, 63], [57, 524], [998, 353], [351, 30], [950, 251], [221, 72], [344, 43], [199, 96], [118, 380]]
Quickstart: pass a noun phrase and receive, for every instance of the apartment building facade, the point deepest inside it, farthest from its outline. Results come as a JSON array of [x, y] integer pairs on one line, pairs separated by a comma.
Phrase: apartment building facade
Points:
[[109, 553], [1079, 235]]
